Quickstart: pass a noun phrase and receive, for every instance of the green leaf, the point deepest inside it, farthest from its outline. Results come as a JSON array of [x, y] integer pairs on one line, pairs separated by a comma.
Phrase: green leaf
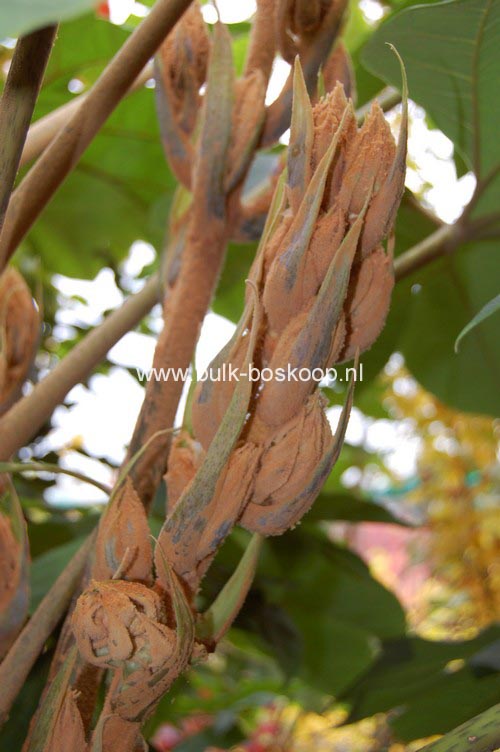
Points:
[[434, 304], [432, 685], [22, 16], [337, 506], [340, 612], [486, 311], [450, 50], [120, 190]]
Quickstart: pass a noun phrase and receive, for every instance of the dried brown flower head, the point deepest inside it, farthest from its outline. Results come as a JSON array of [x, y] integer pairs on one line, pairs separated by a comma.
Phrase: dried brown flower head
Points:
[[120, 624]]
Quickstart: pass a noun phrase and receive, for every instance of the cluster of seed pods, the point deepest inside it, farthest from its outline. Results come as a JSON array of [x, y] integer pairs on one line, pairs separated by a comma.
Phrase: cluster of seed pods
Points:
[[320, 291], [257, 452]]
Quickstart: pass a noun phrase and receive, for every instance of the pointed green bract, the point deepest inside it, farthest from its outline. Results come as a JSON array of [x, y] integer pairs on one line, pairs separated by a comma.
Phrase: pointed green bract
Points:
[[301, 139], [216, 620], [215, 129], [52, 704], [178, 149]]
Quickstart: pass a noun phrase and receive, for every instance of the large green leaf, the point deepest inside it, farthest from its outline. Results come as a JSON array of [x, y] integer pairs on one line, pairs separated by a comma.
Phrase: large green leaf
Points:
[[340, 612], [343, 506], [450, 51], [437, 302], [434, 686], [119, 191], [22, 16]]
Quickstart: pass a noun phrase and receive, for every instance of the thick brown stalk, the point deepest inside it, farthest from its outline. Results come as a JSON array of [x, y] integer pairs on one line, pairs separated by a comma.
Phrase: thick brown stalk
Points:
[[443, 241], [17, 664], [262, 46], [185, 308], [18, 102], [23, 421], [43, 130], [65, 150], [188, 297]]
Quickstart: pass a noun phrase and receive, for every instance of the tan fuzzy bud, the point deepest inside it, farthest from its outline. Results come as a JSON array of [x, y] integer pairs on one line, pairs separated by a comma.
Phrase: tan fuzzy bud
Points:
[[339, 68], [184, 55], [213, 395], [68, 732], [120, 624], [123, 546], [369, 299], [280, 400], [19, 329], [327, 116], [232, 493], [327, 235], [214, 523], [290, 458], [369, 159], [248, 118], [299, 21], [186, 456]]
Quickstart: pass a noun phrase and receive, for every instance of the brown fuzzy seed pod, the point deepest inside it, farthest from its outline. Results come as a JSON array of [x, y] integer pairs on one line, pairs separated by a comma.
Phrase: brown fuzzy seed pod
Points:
[[280, 400], [119, 624], [233, 490], [369, 159], [282, 302], [248, 118], [123, 541], [186, 456], [200, 544], [368, 302], [327, 116], [299, 21], [339, 68], [287, 465], [213, 395], [185, 55], [19, 330]]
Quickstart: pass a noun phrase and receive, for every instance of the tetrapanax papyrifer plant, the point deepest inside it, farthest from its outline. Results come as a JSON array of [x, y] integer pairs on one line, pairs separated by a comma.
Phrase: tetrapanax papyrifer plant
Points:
[[256, 453]]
